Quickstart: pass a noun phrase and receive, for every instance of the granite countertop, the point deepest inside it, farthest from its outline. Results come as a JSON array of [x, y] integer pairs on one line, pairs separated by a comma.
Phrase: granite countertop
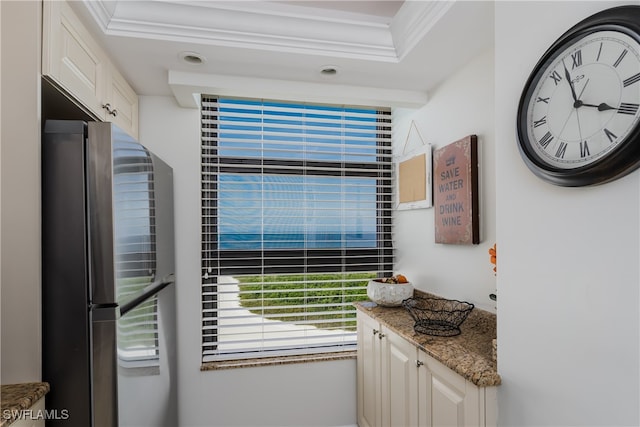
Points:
[[16, 398], [469, 354]]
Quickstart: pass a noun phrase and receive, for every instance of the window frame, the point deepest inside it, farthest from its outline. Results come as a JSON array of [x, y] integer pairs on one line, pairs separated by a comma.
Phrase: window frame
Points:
[[268, 261]]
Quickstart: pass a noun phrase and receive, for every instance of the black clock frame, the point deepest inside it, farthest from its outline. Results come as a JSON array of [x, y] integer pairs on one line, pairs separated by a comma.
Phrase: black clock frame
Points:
[[622, 160]]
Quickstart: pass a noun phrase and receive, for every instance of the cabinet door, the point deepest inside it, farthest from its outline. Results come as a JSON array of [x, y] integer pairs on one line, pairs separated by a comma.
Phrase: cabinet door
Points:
[[71, 58], [454, 401], [123, 103], [368, 367], [33, 416], [399, 381], [424, 391]]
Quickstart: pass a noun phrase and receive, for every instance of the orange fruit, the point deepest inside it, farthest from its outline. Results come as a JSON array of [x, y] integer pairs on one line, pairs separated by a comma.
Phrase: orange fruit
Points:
[[401, 279]]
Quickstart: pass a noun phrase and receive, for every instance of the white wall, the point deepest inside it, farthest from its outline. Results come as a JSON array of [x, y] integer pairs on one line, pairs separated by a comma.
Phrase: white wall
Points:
[[461, 106], [568, 278], [320, 394], [312, 394], [20, 195]]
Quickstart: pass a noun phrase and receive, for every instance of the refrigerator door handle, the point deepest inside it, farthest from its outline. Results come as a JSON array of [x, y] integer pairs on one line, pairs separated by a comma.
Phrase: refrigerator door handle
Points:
[[100, 213], [148, 292]]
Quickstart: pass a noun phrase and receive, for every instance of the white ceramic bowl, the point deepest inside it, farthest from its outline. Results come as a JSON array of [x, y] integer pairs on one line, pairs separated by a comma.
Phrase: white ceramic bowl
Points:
[[388, 294]]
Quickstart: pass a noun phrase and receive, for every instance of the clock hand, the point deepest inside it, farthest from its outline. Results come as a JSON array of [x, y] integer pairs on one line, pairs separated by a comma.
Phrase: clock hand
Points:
[[604, 106], [567, 75], [578, 103], [601, 107]]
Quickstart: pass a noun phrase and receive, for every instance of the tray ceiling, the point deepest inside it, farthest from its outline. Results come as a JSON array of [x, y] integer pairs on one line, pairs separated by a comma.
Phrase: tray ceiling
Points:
[[400, 48]]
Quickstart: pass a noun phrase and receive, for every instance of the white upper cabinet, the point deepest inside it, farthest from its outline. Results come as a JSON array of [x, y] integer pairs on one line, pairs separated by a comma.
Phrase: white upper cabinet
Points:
[[72, 58], [75, 62], [124, 103]]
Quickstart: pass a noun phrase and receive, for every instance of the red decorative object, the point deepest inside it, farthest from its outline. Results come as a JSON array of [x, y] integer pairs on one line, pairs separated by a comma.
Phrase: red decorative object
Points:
[[493, 257]]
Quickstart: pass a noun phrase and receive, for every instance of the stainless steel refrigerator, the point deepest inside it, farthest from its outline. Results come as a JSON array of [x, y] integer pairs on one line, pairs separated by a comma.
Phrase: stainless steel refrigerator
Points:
[[108, 284]]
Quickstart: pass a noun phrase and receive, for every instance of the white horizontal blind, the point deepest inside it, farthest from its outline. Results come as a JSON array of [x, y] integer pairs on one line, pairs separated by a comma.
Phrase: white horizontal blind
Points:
[[135, 239], [296, 217]]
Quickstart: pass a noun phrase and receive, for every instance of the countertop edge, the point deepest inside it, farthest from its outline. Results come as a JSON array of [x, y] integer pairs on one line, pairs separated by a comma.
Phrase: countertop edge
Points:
[[16, 398]]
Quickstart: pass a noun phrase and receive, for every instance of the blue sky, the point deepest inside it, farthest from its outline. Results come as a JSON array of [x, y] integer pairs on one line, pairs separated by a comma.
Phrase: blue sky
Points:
[[288, 210]]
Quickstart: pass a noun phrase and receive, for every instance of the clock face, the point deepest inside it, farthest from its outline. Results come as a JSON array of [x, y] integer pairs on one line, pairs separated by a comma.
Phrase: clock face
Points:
[[578, 120], [585, 100]]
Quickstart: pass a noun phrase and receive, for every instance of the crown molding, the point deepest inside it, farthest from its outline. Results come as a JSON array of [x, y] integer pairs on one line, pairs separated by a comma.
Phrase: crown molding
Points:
[[102, 12], [254, 25], [413, 21], [187, 88], [272, 26]]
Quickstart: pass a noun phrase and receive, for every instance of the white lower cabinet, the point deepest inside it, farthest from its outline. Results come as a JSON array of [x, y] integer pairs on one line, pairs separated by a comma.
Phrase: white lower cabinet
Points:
[[399, 381], [32, 417], [399, 385], [388, 377], [369, 373]]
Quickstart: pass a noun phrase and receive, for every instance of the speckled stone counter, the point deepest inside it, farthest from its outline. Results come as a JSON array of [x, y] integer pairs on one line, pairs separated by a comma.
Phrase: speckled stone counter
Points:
[[19, 397], [468, 354]]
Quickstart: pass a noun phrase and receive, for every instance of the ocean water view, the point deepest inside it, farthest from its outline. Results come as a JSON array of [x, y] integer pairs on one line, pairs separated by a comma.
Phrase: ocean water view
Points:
[[256, 241]]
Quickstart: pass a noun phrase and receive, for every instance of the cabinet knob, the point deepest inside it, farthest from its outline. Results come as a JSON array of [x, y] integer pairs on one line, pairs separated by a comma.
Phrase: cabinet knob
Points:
[[419, 363], [375, 331], [381, 335]]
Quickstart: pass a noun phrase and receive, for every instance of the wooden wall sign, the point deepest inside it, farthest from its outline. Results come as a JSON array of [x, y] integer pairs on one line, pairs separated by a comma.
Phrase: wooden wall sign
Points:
[[455, 188]]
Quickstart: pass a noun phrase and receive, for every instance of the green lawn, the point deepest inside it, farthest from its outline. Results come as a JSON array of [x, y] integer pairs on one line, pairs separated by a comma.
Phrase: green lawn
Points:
[[325, 300]]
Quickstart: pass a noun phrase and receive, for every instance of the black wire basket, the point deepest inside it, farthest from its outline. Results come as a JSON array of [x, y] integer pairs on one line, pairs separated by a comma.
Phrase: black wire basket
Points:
[[437, 316]]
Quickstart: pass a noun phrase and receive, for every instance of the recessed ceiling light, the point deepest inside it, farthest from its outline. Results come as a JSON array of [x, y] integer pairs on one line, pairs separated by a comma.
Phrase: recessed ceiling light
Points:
[[329, 70], [193, 58]]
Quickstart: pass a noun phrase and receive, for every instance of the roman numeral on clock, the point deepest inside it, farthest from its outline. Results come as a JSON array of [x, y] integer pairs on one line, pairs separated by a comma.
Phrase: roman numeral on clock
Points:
[[631, 80], [557, 78], [577, 59], [546, 139], [545, 100], [562, 149], [599, 52], [540, 122], [584, 149], [609, 134], [620, 58], [625, 108]]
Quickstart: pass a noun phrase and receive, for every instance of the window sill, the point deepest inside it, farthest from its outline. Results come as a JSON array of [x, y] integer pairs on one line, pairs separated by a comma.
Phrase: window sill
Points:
[[282, 360]]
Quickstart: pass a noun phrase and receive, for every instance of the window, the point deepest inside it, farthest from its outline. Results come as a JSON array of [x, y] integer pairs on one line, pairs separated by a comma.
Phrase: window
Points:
[[296, 218]]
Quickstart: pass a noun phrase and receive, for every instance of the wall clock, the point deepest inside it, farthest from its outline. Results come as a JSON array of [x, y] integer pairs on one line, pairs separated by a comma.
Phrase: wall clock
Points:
[[578, 117]]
